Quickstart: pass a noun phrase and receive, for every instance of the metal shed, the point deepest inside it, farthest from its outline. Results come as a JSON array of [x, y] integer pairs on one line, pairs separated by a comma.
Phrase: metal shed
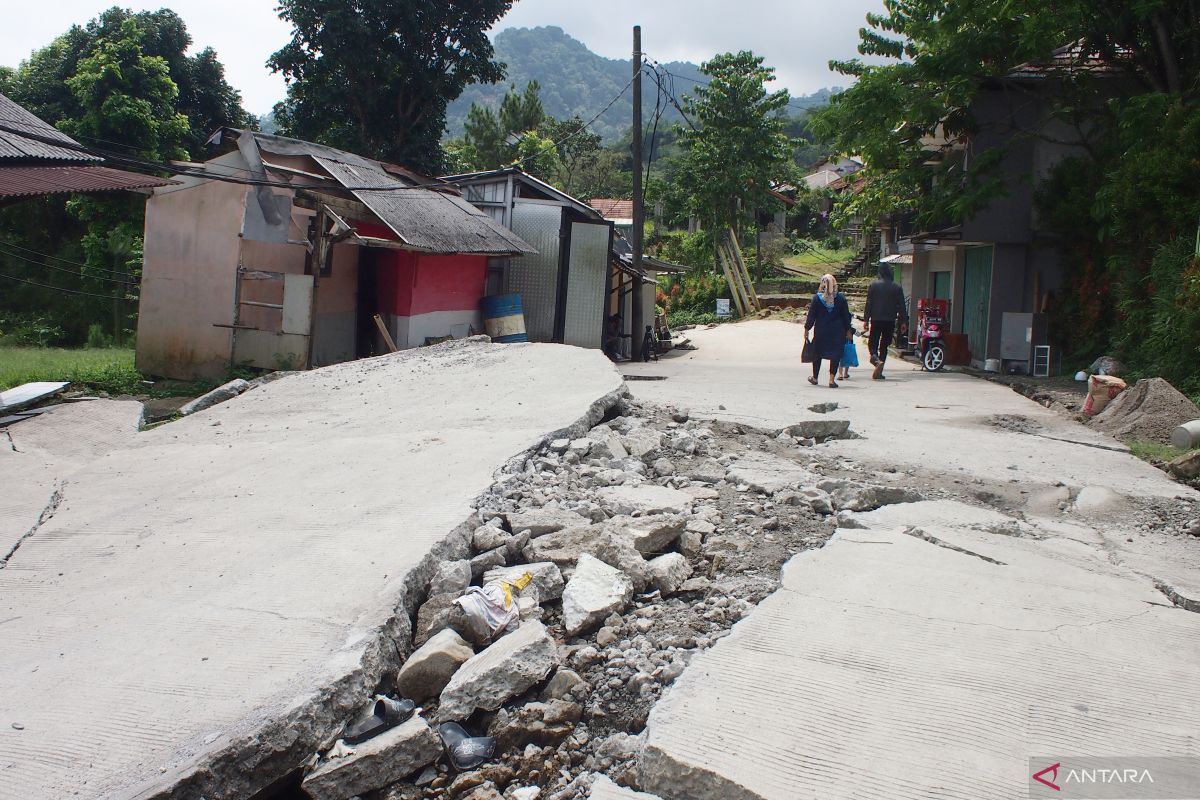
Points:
[[564, 285]]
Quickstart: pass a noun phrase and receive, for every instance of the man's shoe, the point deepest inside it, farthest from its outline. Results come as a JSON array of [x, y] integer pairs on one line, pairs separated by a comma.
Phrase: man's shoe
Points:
[[878, 373]]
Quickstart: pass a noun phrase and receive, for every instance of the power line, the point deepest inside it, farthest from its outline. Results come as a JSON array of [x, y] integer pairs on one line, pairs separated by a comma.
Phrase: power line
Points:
[[790, 102], [57, 288], [60, 259], [129, 279]]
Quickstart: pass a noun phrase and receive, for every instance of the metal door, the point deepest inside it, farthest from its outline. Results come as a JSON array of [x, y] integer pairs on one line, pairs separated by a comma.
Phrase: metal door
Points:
[[977, 292], [535, 275], [586, 281]]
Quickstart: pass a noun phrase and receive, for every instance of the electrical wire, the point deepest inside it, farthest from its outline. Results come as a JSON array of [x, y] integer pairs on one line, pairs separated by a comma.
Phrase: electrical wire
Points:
[[790, 103], [56, 288], [130, 279], [60, 259]]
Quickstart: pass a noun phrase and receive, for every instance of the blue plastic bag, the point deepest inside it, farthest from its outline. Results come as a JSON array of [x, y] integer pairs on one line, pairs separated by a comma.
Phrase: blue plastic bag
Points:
[[849, 354]]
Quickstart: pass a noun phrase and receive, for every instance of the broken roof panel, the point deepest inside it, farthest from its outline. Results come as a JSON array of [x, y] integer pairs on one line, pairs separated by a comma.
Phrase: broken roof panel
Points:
[[424, 219], [19, 181], [23, 137]]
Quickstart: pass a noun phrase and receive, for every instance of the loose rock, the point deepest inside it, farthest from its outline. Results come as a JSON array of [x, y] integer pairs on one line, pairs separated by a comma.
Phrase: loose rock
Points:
[[391, 756], [505, 669], [430, 667], [594, 591]]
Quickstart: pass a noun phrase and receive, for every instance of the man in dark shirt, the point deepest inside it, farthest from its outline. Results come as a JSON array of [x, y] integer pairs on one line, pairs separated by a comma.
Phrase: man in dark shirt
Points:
[[885, 305]]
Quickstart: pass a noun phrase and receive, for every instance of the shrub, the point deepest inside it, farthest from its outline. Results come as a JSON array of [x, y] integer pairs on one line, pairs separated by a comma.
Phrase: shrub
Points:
[[19, 329], [96, 337]]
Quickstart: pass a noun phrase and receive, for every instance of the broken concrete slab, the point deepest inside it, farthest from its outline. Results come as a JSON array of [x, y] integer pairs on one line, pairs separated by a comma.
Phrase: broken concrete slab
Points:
[[508, 667], [224, 392], [540, 521], [231, 650], [641, 442], [707, 471], [867, 498], [604, 789], [645, 499], [389, 757], [650, 534], [451, 577], [594, 591], [39, 456], [562, 547], [547, 577], [818, 429], [854, 664], [620, 554], [768, 473], [668, 572], [427, 671]]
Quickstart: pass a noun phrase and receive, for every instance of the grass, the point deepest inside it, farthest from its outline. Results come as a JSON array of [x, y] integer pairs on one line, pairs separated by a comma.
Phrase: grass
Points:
[[817, 260], [1156, 453], [108, 370]]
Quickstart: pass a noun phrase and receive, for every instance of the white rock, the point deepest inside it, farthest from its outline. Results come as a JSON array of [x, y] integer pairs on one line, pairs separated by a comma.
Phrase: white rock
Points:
[[664, 467], [646, 499], [669, 571], [505, 669], [642, 442], [691, 544], [429, 668], [604, 789], [580, 447], [768, 473], [389, 757], [450, 577], [700, 526], [594, 591], [649, 534], [608, 445], [560, 445], [546, 577], [540, 521]]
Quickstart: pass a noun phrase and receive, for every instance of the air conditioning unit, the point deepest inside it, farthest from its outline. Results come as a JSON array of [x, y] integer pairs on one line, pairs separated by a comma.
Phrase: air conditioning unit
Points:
[[1020, 333]]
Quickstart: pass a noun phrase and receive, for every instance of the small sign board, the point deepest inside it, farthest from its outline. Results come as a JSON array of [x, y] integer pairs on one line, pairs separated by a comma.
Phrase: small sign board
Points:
[[723, 309]]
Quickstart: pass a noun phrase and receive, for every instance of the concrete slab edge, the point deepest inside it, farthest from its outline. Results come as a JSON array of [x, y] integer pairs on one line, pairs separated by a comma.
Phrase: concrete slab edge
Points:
[[240, 765]]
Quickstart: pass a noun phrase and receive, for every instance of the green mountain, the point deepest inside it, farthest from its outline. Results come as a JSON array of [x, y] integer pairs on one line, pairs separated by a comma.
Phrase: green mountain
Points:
[[575, 80]]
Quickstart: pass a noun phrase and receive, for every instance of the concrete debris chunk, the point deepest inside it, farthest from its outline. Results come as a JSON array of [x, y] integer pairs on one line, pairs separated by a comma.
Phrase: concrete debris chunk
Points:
[[707, 471], [641, 442], [618, 553], [668, 572], [508, 667], [767, 473], [594, 591], [540, 521], [818, 429], [485, 561], [580, 447], [563, 683], [562, 547], [608, 445], [489, 537], [389, 757], [226, 391], [560, 445], [547, 577], [645, 499], [604, 789], [664, 467], [428, 670], [450, 577], [648, 535], [869, 498], [433, 615]]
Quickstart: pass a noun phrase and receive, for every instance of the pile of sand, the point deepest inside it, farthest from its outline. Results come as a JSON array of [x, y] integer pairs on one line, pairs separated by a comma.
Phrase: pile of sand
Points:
[[1147, 411]]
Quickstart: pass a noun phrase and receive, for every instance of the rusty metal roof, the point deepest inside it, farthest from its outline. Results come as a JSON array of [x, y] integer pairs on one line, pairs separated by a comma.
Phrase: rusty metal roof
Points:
[[611, 208], [25, 180], [424, 219], [24, 137]]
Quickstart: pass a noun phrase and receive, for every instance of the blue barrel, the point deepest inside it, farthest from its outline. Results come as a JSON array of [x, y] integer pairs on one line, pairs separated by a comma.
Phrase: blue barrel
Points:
[[503, 318]]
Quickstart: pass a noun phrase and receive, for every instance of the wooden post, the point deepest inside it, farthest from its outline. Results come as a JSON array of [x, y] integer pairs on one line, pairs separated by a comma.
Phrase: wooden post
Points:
[[387, 336], [319, 257], [725, 260]]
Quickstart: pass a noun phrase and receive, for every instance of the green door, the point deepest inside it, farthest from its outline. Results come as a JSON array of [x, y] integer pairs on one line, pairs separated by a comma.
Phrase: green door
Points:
[[941, 285], [977, 290]]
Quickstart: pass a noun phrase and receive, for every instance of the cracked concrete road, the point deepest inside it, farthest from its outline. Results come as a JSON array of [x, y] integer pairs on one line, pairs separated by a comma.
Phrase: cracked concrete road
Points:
[[215, 594], [934, 647]]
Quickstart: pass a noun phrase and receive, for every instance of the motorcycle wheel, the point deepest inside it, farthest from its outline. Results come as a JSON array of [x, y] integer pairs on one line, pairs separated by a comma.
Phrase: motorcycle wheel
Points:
[[935, 358]]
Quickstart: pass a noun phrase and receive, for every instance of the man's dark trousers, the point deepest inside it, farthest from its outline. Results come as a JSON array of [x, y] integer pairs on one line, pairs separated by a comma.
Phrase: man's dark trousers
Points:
[[880, 339]]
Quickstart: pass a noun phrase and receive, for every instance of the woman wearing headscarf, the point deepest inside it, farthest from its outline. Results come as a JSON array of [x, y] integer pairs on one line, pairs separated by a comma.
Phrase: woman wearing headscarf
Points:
[[826, 327]]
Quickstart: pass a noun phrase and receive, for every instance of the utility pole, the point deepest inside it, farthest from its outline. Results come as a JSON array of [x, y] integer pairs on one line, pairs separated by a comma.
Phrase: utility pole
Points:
[[639, 213]]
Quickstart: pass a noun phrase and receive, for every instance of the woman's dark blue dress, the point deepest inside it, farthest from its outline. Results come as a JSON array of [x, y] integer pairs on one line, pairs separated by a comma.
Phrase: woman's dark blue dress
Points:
[[829, 326]]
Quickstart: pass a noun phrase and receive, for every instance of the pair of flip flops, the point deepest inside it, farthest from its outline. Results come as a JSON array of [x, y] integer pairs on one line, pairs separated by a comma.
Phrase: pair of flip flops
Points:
[[464, 750], [382, 714]]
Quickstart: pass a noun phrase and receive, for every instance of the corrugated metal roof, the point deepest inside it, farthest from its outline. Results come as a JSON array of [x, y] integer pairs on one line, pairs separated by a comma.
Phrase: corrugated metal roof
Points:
[[468, 178], [20, 181], [612, 208], [15, 120], [424, 219]]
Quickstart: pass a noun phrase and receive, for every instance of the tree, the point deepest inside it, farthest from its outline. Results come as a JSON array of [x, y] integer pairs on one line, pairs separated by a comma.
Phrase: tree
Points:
[[738, 146], [374, 77], [493, 137]]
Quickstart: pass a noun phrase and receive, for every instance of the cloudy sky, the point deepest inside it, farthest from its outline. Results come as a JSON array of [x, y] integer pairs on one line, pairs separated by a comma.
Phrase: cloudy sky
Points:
[[798, 38]]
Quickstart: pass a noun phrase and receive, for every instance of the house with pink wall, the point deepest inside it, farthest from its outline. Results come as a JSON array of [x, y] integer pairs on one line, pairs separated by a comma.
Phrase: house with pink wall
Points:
[[283, 254]]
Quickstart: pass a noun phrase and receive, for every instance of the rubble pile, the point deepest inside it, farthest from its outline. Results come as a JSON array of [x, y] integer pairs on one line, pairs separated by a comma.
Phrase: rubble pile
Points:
[[1148, 411], [600, 566]]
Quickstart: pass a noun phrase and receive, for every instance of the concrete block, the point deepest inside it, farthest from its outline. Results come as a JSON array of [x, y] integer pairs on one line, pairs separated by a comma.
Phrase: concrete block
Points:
[[430, 667], [505, 669], [389, 757], [594, 591]]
